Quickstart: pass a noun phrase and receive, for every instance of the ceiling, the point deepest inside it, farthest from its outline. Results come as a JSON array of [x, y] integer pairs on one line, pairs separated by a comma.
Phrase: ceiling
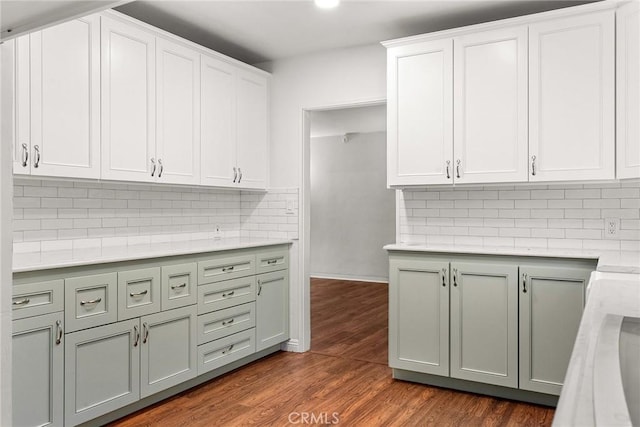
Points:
[[346, 121], [255, 31]]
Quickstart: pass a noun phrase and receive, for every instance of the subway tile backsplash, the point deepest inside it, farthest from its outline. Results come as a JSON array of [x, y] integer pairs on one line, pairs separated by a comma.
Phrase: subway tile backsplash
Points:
[[570, 216], [67, 214]]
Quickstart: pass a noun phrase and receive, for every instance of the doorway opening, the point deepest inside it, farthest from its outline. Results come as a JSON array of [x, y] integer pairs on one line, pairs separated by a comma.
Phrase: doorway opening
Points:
[[351, 217]]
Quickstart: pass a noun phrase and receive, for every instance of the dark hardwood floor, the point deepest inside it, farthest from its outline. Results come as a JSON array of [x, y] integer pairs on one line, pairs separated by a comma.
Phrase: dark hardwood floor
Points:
[[343, 380]]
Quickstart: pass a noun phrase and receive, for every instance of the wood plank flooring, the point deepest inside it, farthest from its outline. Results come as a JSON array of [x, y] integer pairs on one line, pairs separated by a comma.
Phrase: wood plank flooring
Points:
[[343, 380]]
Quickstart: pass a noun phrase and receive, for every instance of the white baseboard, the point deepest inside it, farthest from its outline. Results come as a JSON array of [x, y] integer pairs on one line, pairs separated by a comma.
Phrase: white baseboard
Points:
[[292, 345], [349, 277]]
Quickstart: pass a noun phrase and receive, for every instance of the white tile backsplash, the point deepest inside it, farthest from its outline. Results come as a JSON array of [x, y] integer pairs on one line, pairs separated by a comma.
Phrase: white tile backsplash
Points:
[[67, 214], [528, 215]]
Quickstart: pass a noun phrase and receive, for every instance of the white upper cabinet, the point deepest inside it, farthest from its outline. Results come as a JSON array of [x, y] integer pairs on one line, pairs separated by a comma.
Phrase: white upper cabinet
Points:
[[628, 90], [419, 113], [128, 102], [178, 113], [234, 125], [252, 129], [218, 157], [571, 89], [56, 84], [490, 106]]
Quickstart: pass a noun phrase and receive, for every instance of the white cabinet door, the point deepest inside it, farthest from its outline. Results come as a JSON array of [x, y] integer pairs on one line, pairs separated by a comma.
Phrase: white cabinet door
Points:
[[102, 370], [252, 129], [551, 305], [490, 108], [218, 122], [178, 113], [484, 322], [128, 102], [628, 90], [169, 349], [16, 102], [419, 114], [571, 90], [419, 315], [38, 371], [65, 99]]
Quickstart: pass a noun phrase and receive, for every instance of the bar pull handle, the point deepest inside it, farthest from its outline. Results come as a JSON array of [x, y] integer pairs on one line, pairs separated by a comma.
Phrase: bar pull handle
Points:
[[228, 294], [235, 175], [145, 333], [455, 277], [184, 285], [227, 322], [161, 168], [524, 283], [227, 269], [448, 166], [37, 160], [153, 164], [23, 301], [93, 301], [239, 175], [136, 334], [59, 332], [458, 168], [25, 155], [444, 277], [138, 294], [533, 165], [228, 349]]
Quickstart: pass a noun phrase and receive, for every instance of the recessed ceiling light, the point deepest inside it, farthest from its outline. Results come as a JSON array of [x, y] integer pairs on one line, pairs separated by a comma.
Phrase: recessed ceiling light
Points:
[[326, 4]]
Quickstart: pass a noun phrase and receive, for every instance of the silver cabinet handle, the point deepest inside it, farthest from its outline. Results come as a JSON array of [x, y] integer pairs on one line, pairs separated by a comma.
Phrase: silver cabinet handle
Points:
[[93, 301], [25, 155], [227, 322], [272, 261], [228, 349], [239, 175], [444, 277], [455, 277], [153, 164], [235, 175], [161, 168], [524, 283], [259, 287], [533, 165], [184, 285], [145, 333], [227, 269], [138, 294], [59, 332], [136, 334], [228, 294], [448, 165], [264, 282], [37, 159], [458, 168], [23, 301]]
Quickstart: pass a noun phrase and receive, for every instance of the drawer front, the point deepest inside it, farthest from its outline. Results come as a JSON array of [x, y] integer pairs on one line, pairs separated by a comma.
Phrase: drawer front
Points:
[[222, 323], [226, 350], [216, 296], [179, 286], [225, 268], [90, 301], [272, 260], [138, 292], [34, 299]]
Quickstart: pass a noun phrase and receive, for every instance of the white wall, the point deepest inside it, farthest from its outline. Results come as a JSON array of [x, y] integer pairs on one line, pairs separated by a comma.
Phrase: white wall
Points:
[[336, 78], [352, 211]]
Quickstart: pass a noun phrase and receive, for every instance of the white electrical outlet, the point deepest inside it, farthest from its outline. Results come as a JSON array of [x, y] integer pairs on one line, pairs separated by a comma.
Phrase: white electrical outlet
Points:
[[611, 228], [217, 235]]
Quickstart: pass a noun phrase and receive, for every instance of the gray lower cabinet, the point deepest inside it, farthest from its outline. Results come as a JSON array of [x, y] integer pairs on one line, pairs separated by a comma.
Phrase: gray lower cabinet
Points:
[[419, 315], [484, 322], [38, 371], [272, 309], [551, 304], [102, 370], [168, 350]]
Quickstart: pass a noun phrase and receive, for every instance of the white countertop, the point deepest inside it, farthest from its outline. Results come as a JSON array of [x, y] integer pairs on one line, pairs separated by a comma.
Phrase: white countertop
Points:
[[45, 260], [608, 261], [609, 293]]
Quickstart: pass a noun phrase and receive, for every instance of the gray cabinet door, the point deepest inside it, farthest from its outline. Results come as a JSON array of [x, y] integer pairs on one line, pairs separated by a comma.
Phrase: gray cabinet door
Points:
[[551, 304], [102, 370], [272, 309], [138, 292], [484, 322], [38, 369], [419, 315], [168, 351]]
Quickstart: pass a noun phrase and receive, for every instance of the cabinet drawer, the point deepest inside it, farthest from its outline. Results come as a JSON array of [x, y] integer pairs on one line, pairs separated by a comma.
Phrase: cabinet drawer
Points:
[[90, 301], [224, 268], [216, 296], [222, 323], [179, 285], [225, 350], [273, 260], [34, 299], [138, 292]]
